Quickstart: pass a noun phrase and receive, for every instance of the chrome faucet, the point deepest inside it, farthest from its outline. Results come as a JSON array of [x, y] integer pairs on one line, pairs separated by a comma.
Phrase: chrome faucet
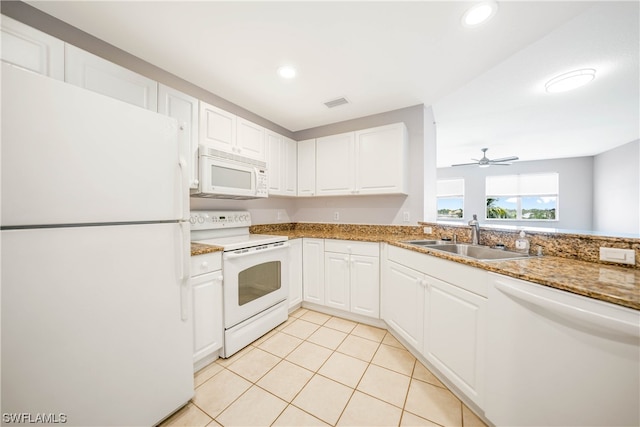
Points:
[[475, 230]]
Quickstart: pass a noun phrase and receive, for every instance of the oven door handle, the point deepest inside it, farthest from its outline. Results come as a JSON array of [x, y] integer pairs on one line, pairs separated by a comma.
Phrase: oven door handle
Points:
[[231, 255]]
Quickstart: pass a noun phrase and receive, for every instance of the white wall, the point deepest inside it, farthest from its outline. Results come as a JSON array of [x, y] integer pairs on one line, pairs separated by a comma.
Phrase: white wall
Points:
[[575, 199], [616, 190]]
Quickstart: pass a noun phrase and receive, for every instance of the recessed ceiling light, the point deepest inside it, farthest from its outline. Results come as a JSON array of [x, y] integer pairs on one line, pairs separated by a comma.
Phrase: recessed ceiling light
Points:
[[287, 72], [570, 80], [479, 13]]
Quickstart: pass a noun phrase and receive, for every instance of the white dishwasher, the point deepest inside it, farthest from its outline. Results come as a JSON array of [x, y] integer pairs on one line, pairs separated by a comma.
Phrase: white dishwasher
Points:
[[560, 359]]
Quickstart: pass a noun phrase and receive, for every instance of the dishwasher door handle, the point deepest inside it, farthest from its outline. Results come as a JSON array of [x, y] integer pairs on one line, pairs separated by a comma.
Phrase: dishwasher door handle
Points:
[[584, 317]]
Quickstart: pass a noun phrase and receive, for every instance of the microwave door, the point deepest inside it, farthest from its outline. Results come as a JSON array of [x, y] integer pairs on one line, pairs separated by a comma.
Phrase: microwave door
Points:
[[227, 178]]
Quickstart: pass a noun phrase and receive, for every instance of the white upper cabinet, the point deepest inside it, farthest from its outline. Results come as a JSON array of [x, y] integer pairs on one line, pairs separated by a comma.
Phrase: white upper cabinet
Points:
[[32, 49], [307, 168], [217, 128], [290, 166], [335, 162], [370, 161], [183, 108], [282, 164], [227, 132], [91, 72], [381, 160], [250, 139]]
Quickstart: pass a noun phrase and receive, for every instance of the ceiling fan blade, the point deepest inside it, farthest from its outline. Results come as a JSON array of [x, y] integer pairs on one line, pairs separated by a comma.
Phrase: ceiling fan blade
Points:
[[465, 164], [500, 164], [505, 159]]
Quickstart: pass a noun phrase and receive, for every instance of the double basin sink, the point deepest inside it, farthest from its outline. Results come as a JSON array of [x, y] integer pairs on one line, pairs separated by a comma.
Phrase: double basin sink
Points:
[[480, 253]]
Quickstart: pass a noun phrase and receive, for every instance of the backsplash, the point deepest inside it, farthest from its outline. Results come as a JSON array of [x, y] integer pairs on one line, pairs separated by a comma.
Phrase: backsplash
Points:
[[573, 246]]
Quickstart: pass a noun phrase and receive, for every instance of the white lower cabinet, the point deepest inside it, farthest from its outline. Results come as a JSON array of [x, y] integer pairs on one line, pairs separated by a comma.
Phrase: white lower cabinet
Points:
[[352, 276], [445, 321], [208, 326], [295, 272], [402, 302], [454, 341], [313, 270]]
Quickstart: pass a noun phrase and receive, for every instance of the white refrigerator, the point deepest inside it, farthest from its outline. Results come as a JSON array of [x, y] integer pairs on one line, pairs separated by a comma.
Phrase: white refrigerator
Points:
[[95, 258]]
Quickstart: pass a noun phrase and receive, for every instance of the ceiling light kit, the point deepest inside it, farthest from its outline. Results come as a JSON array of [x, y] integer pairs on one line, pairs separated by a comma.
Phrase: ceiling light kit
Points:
[[287, 72], [479, 13], [571, 80]]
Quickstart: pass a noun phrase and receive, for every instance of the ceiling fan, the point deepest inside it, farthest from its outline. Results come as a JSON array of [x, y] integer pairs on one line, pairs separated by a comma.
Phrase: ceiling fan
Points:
[[485, 162]]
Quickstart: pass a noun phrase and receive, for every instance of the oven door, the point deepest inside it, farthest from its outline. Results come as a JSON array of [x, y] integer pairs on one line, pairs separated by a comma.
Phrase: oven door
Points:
[[254, 280]]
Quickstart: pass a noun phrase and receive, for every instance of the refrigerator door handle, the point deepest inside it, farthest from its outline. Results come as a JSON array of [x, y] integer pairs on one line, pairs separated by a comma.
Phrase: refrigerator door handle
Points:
[[184, 189], [185, 263]]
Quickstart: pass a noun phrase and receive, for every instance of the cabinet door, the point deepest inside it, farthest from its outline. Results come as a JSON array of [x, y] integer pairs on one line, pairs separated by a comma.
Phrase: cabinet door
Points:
[[31, 49], [295, 272], [313, 271], [289, 185], [455, 327], [91, 72], [274, 162], [337, 277], [217, 128], [335, 174], [207, 314], [402, 301], [365, 285], [250, 139], [381, 160], [307, 168], [183, 108]]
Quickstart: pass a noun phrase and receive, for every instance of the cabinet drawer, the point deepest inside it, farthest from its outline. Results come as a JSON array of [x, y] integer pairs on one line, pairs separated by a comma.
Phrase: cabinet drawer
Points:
[[201, 264], [352, 247]]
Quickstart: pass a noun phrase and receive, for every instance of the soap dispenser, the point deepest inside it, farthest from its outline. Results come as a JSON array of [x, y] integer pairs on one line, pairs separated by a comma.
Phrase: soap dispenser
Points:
[[522, 244]]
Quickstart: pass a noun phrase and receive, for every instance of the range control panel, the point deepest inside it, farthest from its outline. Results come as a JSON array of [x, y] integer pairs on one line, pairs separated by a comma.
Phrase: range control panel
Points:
[[207, 220]]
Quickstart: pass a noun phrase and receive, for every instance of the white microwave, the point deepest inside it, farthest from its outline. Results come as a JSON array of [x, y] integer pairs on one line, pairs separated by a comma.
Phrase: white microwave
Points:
[[229, 176]]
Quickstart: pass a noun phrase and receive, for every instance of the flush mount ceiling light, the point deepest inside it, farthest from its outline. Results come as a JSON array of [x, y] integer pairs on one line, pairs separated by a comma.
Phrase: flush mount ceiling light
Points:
[[570, 80], [287, 72], [479, 13]]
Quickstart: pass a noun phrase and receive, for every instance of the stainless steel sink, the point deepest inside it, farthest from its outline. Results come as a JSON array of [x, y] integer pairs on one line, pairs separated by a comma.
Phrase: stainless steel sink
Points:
[[481, 253], [424, 242]]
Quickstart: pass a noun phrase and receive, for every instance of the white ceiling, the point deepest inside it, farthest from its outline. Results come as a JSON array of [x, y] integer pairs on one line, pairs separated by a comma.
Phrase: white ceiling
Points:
[[483, 83]]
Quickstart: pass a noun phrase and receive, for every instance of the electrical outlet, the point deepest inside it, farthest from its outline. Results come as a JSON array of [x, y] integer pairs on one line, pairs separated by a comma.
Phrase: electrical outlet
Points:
[[405, 216], [336, 216], [427, 230], [622, 256]]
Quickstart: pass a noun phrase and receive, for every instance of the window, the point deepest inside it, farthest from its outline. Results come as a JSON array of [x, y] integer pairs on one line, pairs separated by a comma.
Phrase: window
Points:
[[450, 194], [532, 197]]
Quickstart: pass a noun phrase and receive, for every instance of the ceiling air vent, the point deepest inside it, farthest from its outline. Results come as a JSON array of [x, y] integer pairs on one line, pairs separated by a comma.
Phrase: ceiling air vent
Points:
[[336, 102]]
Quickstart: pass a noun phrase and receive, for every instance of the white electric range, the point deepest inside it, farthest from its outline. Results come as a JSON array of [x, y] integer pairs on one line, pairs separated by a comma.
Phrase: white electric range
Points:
[[255, 275]]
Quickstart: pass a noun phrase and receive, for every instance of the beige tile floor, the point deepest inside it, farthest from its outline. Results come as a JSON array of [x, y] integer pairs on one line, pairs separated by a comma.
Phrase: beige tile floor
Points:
[[318, 370]]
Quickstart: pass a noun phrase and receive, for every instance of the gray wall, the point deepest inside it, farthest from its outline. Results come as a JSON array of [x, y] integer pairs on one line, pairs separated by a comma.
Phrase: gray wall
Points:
[[616, 190], [576, 190]]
